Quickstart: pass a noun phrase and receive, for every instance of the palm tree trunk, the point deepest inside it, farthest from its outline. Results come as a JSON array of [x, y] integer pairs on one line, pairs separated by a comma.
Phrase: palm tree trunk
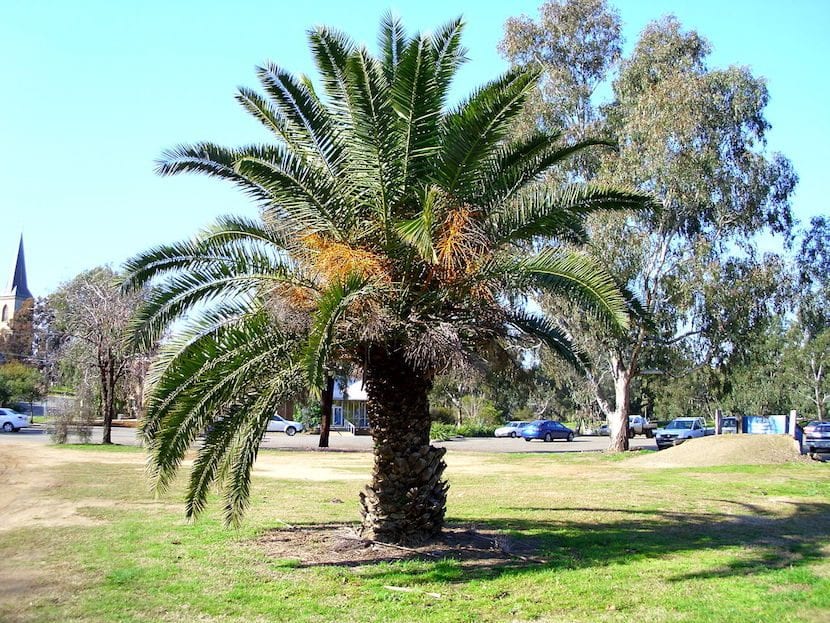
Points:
[[406, 500]]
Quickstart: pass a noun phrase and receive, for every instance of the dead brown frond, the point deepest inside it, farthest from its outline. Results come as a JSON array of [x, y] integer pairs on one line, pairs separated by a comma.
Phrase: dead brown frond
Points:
[[333, 260], [462, 249]]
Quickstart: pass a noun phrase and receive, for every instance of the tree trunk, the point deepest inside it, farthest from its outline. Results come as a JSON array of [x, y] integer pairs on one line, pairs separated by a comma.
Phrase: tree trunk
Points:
[[107, 396], [619, 419], [406, 500], [325, 417]]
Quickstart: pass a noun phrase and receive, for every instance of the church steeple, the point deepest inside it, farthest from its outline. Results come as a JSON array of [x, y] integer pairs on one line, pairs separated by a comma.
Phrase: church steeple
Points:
[[17, 282], [16, 292]]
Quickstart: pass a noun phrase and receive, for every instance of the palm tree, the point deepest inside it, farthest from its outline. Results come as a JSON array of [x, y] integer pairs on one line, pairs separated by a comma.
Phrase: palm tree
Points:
[[396, 235]]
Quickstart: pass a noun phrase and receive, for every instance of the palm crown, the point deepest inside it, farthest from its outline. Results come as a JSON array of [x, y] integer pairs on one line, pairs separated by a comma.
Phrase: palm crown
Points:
[[396, 234]]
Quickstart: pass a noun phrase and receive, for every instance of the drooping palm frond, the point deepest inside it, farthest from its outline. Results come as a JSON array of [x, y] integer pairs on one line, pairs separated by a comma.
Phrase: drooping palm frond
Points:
[[583, 279], [212, 160], [550, 335], [559, 213], [574, 274], [331, 307], [218, 373], [236, 273]]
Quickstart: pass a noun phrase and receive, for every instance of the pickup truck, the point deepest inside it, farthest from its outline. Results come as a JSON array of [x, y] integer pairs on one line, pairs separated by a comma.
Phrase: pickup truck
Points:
[[679, 430], [639, 425]]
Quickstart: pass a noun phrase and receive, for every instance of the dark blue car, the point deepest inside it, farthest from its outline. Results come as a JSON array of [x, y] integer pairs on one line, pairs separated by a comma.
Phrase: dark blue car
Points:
[[546, 430]]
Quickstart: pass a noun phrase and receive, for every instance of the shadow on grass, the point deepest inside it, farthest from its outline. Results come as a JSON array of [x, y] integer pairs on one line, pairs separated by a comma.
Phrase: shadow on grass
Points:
[[768, 541]]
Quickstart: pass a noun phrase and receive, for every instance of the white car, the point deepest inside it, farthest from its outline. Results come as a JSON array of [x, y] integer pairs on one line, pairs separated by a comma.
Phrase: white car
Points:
[[281, 425], [511, 429], [11, 420]]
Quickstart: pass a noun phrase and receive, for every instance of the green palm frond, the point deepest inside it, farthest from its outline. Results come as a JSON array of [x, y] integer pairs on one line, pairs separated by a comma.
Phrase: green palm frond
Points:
[[235, 275], [207, 378], [417, 100], [212, 160], [450, 55], [307, 126], [558, 213], [391, 41], [302, 194], [553, 337], [474, 131], [375, 149], [573, 274], [242, 455], [518, 164], [418, 232], [331, 50], [331, 307]]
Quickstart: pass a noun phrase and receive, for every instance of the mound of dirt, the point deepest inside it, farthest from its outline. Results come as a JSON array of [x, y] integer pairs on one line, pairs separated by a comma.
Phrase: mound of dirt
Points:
[[724, 450]]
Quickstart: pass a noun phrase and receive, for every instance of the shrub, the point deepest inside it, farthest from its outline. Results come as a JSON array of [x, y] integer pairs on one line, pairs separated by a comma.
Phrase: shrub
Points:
[[441, 431], [476, 430], [68, 417]]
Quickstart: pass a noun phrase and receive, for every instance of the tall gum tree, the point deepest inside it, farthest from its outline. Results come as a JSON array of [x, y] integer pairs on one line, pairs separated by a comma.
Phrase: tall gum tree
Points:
[[393, 237], [693, 137]]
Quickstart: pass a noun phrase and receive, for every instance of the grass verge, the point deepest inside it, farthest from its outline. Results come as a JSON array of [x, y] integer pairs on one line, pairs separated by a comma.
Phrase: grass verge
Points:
[[619, 544]]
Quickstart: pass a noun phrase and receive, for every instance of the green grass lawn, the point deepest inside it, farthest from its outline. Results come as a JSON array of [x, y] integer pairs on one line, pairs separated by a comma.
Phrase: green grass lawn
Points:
[[620, 544]]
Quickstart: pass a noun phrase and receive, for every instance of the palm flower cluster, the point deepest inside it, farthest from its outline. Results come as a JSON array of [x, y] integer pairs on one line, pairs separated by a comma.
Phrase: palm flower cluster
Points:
[[398, 234]]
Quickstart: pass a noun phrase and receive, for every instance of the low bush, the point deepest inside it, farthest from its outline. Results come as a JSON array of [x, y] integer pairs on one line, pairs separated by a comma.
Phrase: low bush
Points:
[[442, 432]]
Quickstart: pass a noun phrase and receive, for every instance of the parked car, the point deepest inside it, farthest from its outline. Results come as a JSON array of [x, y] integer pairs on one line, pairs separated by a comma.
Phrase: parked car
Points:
[[280, 425], [11, 420], [546, 430], [511, 429], [679, 430], [817, 437]]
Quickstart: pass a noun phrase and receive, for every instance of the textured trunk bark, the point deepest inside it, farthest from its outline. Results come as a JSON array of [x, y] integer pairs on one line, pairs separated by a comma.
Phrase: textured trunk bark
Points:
[[325, 416], [106, 399], [619, 419], [406, 500]]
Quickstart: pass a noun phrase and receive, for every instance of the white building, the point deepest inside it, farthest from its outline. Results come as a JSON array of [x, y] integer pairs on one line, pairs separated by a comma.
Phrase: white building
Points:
[[348, 411]]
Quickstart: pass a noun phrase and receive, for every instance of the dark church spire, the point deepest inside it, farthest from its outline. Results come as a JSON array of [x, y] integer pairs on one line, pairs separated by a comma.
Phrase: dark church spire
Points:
[[17, 282]]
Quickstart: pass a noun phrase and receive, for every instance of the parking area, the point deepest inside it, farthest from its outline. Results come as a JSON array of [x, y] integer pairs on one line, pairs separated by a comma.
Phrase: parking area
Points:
[[350, 443]]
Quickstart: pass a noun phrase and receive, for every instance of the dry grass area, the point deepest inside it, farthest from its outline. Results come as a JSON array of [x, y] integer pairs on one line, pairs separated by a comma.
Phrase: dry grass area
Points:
[[32, 473], [719, 450], [531, 537]]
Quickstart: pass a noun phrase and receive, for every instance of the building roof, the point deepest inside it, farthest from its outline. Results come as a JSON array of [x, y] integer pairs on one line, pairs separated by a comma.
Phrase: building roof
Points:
[[17, 285]]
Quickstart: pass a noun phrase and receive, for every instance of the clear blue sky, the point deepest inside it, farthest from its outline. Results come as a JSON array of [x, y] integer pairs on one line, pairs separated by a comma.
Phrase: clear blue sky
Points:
[[94, 90]]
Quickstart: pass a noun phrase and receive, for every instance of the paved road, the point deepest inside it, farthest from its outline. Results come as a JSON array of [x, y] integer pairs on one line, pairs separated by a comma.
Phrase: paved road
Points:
[[350, 443]]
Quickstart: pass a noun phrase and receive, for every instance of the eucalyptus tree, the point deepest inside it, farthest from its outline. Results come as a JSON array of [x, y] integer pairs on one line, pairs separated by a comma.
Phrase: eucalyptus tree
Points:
[[392, 237], [694, 137]]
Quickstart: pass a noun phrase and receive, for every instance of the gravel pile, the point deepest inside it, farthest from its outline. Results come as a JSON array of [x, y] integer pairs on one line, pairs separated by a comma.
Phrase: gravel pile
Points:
[[725, 450]]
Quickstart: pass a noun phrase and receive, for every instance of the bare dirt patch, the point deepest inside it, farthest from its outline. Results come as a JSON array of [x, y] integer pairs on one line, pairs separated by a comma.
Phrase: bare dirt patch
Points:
[[719, 450], [30, 476], [341, 545]]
